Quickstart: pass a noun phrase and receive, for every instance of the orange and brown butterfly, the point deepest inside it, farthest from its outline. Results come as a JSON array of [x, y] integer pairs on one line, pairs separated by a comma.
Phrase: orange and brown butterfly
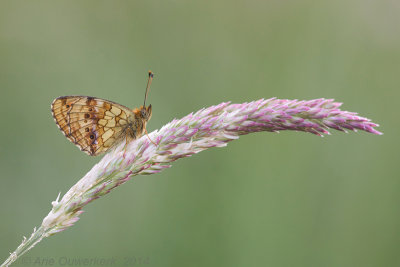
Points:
[[95, 125]]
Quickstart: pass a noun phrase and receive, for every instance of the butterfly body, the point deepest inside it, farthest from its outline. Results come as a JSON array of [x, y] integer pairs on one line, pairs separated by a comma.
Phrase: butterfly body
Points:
[[95, 125]]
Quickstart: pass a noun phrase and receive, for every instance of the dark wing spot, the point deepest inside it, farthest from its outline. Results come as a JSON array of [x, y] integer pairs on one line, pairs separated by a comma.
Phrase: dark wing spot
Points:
[[87, 115], [87, 130], [91, 136], [89, 100], [90, 109], [67, 106]]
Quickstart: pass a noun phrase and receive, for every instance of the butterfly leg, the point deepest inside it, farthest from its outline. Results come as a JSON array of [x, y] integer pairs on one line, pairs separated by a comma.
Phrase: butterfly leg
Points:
[[147, 134], [126, 145]]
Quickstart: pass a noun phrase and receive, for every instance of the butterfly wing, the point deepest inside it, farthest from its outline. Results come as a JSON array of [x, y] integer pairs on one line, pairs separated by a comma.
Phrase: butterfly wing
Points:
[[92, 124]]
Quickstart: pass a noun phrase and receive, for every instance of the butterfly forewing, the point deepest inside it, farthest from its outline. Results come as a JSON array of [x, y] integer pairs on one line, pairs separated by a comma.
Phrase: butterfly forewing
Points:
[[92, 124]]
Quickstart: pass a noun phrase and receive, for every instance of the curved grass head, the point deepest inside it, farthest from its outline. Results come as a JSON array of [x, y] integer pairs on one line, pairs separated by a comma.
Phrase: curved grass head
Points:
[[214, 126]]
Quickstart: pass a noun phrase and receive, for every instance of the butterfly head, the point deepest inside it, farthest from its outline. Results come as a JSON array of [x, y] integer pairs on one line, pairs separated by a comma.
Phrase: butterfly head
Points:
[[145, 112]]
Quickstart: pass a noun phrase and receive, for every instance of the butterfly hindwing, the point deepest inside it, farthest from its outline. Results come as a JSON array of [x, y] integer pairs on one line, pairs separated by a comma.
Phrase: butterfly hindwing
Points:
[[92, 124]]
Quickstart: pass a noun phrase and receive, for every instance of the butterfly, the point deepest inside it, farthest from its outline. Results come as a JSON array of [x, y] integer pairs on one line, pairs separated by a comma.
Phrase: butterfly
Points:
[[95, 125]]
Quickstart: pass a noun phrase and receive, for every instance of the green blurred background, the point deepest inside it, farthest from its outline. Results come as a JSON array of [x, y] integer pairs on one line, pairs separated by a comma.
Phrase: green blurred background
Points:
[[288, 199]]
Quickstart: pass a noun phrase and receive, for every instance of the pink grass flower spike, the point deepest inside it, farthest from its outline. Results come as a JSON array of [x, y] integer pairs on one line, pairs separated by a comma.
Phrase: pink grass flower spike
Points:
[[210, 127]]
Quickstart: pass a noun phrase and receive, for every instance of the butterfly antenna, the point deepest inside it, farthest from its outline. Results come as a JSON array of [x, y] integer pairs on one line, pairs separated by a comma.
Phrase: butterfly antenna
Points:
[[151, 75]]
